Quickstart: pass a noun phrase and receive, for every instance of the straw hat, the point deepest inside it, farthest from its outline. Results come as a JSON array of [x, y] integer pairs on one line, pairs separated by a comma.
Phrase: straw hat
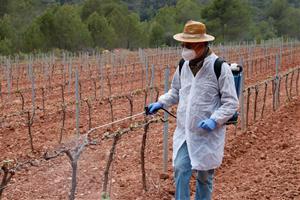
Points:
[[194, 32]]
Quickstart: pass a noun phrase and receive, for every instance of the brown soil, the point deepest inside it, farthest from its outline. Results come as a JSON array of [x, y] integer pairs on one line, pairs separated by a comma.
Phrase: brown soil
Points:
[[262, 163]]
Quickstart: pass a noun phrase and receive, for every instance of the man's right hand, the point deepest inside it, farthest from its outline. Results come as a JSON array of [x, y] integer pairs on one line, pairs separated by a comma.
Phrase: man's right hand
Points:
[[154, 107]]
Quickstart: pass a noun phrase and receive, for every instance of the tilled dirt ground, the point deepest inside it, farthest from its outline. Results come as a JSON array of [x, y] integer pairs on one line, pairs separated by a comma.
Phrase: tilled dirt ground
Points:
[[263, 163]]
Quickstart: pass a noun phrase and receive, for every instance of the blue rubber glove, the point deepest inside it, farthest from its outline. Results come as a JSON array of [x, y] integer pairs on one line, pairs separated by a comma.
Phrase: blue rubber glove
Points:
[[207, 124], [154, 107]]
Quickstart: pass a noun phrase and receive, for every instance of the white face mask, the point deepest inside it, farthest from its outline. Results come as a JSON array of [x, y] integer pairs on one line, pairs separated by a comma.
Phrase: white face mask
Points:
[[188, 54]]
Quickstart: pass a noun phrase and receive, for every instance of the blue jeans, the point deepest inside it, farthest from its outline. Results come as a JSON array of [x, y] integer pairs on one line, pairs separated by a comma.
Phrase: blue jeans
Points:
[[183, 173]]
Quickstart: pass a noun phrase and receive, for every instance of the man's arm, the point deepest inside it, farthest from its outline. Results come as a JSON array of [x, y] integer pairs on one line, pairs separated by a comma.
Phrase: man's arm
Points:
[[172, 96]]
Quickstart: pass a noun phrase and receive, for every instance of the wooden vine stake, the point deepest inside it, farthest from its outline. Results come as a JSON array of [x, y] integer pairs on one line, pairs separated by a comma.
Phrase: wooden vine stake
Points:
[[143, 146], [8, 77], [88, 103], [132, 78], [276, 80], [291, 84], [62, 93], [7, 175], [29, 125], [129, 98], [247, 108], [109, 85], [30, 118], [95, 88], [286, 87], [297, 82], [166, 125], [264, 100], [157, 93], [62, 129], [77, 91], [22, 99], [255, 102], [105, 194], [273, 94], [80, 91], [110, 101], [73, 151], [278, 90], [146, 94], [123, 76], [49, 76], [74, 155], [43, 100]]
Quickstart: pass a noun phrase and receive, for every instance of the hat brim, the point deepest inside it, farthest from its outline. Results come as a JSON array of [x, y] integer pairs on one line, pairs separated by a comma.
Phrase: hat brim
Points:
[[182, 37]]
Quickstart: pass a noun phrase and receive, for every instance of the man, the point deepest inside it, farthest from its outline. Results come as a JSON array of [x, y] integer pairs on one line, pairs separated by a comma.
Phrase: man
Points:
[[205, 103]]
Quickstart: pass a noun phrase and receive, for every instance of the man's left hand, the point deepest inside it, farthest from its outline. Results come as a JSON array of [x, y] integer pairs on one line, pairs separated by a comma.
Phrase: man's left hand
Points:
[[207, 124]]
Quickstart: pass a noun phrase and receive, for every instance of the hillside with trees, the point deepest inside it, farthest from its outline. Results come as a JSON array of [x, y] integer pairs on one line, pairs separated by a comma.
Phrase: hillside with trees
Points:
[[42, 25]]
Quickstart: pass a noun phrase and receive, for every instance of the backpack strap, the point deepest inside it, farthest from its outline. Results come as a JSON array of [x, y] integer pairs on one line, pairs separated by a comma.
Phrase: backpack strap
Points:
[[218, 67], [181, 62]]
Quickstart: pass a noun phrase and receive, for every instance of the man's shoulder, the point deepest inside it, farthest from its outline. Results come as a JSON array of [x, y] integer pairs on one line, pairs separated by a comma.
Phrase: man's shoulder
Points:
[[211, 58]]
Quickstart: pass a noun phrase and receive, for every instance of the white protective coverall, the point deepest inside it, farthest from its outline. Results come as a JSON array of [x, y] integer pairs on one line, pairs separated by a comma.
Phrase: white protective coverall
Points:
[[198, 98]]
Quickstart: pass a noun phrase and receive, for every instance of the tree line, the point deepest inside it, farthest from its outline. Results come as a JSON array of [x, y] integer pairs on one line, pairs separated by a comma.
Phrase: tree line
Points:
[[42, 25]]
